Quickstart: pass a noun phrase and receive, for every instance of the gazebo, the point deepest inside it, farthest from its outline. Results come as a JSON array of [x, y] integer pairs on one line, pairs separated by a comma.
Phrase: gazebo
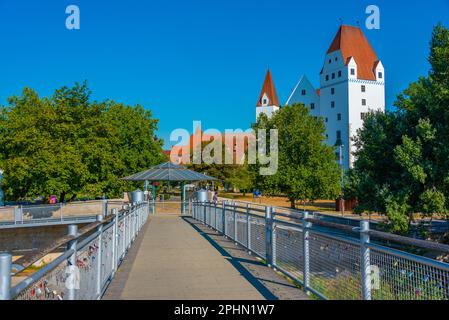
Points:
[[169, 172]]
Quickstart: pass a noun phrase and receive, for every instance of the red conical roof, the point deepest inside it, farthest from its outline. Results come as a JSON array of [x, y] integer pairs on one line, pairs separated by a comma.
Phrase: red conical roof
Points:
[[268, 89], [353, 43]]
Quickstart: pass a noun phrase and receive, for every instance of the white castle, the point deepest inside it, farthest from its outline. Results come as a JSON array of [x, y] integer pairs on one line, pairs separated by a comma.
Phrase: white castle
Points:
[[352, 83]]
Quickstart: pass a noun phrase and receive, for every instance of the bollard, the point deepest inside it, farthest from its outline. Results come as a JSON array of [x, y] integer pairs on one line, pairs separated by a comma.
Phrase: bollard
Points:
[[306, 267], [99, 252], [268, 238], [248, 228], [365, 260], [5, 276], [71, 261]]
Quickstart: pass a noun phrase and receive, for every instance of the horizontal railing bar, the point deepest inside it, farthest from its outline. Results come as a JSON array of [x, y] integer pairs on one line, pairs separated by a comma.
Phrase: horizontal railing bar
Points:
[[290, 224], [28, 261], [332, 225], [87, 240], [335, 237], [39, 274], [410, 241], [402, 254]]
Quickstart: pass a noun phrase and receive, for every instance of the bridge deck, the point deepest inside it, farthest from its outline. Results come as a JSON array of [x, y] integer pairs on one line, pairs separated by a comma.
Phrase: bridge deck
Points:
[[178, 258]]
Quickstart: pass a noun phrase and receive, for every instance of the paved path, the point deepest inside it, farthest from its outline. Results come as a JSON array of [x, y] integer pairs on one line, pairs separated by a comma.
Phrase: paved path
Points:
[[180, 259]]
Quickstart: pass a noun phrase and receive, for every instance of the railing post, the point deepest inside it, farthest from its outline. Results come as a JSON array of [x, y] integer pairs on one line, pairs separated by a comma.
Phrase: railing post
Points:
[[248, 228], [235, 223], [115, 242], [99, 252], [306, 267], [71, 245], [215, 216], [124, 233], [223, 218], [61, 211], [204, 212], [5, 276], [273, 237], [365, 260], [104, 206], [268, 238]]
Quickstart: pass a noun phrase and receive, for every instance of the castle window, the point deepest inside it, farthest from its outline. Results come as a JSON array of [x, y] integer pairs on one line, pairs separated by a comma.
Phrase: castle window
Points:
[[332, 90], [363, 115], [380, 75], [327, 77], [303, 92], [336, 58], [327, 120], [312, 106], [332, 104], [339, 117], [339, 74], [363, 102], [333, 75], [264, 101], [352, 72], [363, 88], [338, 135], [327, 136]]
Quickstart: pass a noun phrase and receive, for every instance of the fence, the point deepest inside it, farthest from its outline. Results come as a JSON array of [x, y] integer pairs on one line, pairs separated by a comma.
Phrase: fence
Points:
[[27, 214], [85, 268], [326, 258]]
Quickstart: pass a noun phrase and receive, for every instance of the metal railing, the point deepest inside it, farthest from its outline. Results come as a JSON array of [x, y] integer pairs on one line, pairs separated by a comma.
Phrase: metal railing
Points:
[[59, 212], [330, 260], [84, 269]]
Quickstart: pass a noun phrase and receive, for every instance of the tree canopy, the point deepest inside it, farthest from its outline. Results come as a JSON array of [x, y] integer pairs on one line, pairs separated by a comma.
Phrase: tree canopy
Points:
[[402, 158], [69, 146], [307, 167]]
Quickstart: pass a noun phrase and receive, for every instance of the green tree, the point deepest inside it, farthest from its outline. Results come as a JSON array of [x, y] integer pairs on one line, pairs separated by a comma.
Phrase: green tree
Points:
[[67, 145], [307, 168], [402, 164]]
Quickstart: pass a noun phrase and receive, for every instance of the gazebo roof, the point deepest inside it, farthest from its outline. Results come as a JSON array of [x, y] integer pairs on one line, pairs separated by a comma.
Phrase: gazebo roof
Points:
[[168, 172]]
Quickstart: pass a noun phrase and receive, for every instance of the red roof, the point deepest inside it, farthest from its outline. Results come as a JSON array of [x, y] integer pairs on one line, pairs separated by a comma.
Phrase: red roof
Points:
[[353, 43], [268, 89]]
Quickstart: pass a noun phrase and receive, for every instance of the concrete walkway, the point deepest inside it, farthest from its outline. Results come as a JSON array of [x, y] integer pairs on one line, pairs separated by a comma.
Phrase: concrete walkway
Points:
[[177, 258]]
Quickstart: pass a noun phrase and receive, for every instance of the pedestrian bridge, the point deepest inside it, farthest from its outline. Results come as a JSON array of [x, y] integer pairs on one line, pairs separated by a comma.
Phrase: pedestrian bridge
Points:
[[177, 257], [226, 251]]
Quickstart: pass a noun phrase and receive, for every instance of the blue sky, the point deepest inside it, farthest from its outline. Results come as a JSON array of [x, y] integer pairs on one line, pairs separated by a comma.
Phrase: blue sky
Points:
[[200, 60]]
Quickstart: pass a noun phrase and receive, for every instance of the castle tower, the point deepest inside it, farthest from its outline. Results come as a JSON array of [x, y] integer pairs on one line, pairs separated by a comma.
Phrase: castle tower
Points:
[[268, 102], [352, 83]]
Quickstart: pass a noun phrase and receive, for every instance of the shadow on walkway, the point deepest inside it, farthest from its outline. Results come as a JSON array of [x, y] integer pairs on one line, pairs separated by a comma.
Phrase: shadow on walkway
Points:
[[266, 281]]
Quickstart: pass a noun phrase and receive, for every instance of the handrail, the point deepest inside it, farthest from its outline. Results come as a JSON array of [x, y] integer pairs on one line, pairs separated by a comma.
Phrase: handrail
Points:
[[109, 239], [328, 263], [26, 262]]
